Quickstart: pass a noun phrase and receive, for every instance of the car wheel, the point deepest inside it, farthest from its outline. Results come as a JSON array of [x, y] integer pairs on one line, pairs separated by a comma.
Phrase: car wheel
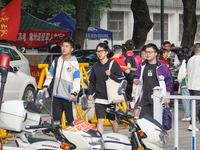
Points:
[[29, 94]]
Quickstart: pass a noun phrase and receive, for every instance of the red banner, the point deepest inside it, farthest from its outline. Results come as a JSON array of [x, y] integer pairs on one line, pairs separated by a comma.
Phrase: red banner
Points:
[[37, 38], [10, 20]]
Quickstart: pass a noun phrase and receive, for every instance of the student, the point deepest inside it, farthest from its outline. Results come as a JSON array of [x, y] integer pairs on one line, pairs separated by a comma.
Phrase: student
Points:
[[142, 53], [149, 74], [97, 87], [193, 71], [77, 47], [66, 83], [183, 80], [135, 61], [163, 56], [116, 57]]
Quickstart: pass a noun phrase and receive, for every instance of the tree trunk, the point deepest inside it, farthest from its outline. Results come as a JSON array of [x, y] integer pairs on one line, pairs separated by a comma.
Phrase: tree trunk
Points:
[[142, 22], [82, 22], [189, 23]]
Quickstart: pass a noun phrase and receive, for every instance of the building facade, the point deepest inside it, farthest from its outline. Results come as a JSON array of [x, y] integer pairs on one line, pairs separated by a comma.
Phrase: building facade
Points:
[[120, 21]]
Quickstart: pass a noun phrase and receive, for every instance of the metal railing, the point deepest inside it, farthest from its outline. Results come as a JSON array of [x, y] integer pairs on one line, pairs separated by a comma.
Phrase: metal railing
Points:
[[157, 103]]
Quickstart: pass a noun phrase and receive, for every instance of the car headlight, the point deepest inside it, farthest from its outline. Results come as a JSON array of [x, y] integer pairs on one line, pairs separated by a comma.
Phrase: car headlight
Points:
[[163, 137], [96, 143]]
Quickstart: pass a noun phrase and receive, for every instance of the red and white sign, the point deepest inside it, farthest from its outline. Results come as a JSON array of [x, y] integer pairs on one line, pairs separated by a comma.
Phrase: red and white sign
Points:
[[37, 38]]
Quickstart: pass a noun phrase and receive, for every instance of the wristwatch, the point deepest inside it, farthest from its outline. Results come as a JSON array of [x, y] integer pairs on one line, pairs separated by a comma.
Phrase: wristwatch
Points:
[[75, 94]]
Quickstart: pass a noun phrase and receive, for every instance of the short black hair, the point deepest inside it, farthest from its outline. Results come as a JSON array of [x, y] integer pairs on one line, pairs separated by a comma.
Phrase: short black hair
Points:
[[143, 48], [166, 42], [105, 41], [69, 41], [78, 46], [103, 45], [117, 48], [129, 45], [152, 46]]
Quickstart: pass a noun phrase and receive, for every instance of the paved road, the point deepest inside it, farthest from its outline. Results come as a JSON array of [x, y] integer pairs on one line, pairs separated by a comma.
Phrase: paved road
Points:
[[185, 136]]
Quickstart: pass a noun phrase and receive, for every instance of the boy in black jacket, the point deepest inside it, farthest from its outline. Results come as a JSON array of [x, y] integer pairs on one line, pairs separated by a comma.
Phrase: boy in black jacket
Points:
[[97, 86]]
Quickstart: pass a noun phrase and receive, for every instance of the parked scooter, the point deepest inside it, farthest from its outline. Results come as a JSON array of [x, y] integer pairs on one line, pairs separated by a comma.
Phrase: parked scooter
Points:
[[22, 119]]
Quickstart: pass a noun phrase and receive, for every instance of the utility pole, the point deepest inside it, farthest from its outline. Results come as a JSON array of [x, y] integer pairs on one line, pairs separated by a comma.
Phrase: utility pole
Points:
[[162, 22]]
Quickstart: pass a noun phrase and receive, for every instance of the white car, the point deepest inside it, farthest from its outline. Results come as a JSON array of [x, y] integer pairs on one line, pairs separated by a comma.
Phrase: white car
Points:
[[19, 86], [17, 59]]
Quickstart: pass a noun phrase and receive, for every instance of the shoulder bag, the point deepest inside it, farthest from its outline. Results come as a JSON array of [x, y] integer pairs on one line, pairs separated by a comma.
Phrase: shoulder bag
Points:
[[50, 88], [112, 88]]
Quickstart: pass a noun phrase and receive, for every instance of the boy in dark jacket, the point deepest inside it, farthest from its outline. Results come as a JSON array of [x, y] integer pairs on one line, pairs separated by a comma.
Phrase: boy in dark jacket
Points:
[[98, 77]]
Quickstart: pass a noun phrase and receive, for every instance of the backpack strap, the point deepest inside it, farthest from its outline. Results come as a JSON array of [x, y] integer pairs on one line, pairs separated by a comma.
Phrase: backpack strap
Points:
[[55, 66]]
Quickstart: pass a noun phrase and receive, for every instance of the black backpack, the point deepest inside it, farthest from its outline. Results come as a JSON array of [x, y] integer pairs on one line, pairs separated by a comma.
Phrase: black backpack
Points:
[[131, 60]]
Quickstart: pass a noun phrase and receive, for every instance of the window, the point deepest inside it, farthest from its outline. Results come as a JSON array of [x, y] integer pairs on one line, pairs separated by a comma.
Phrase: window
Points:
[[197, 36], [116, 24], [10, 52], [157, 27]]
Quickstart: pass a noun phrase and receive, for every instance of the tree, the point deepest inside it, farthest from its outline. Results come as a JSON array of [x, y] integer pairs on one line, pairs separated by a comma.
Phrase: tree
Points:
[[142, 22], [85, 11], [189, 22]]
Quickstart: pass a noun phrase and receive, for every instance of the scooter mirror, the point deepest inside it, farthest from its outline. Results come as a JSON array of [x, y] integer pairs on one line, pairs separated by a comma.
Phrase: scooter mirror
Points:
[[122, 87], [108, 110], [40, 98], [84, 102]]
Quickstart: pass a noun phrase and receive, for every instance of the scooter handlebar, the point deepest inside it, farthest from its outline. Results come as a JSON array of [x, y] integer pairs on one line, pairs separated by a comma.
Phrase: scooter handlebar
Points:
[[45, 125], [119, 113]]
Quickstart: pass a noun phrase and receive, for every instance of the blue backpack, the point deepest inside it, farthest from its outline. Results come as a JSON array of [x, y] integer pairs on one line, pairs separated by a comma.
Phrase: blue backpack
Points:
[[167, 118]]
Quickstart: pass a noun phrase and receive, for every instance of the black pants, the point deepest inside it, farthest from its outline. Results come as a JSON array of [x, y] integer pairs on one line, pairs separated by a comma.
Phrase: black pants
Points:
[[129, 92], [146, 110], [196, 93], [58, 106]]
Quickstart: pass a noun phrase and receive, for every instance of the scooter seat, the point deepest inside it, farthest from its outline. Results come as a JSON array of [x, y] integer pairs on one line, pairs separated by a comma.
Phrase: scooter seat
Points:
[[30, 106], [33, 140]]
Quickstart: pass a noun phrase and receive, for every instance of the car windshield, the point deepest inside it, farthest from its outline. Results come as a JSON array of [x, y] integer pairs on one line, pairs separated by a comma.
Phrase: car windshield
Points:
[[86, 56]]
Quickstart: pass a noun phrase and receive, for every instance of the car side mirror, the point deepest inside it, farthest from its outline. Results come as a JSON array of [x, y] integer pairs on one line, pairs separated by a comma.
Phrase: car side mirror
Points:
[[13, 69]]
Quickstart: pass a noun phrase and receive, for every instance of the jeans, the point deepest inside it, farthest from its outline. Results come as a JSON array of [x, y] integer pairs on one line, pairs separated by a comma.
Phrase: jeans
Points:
[[187, 103]]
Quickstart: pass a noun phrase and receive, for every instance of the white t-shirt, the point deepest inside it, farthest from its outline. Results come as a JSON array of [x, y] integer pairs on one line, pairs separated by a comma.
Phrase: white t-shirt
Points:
[[193, 72]]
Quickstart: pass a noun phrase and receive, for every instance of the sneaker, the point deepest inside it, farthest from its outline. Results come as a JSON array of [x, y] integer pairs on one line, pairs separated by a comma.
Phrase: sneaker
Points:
[[190, 128], [187, 119]]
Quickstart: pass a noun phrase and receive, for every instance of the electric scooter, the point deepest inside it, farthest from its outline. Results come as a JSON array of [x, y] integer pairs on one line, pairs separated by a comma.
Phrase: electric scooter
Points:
[[22, 119]]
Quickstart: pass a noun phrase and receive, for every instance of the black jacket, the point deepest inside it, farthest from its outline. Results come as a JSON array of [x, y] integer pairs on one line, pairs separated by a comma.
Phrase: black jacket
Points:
[[98, 78]]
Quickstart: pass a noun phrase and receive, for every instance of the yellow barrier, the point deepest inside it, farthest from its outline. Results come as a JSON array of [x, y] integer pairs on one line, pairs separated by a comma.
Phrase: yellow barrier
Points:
[[5, 135]]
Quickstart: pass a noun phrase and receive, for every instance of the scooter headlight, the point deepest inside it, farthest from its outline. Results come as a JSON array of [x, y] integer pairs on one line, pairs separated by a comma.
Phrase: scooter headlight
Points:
[[163, 138], [96, 143]]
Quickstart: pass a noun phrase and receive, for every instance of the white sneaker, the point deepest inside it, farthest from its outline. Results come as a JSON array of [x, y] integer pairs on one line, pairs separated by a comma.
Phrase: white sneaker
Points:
[[187, 119], [190, 128]]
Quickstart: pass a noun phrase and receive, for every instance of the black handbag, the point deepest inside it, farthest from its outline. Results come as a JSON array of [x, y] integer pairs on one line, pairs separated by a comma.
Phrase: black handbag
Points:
[[50, 88]]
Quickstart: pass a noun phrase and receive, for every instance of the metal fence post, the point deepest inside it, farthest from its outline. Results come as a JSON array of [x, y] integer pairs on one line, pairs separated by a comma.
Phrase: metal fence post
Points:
[[193, 124], [176, 127], [157, 103]]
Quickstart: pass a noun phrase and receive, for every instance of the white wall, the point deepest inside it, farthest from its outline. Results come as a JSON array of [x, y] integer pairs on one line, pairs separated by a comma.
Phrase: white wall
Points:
[[173, 24]]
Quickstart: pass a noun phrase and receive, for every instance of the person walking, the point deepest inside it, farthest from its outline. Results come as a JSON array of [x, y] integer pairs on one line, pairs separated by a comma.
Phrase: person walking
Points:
[[66, 83], [134, 60], [193, 72], [116, 57], [149, 74], [183, 80], [97, 87], [163, 56]]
